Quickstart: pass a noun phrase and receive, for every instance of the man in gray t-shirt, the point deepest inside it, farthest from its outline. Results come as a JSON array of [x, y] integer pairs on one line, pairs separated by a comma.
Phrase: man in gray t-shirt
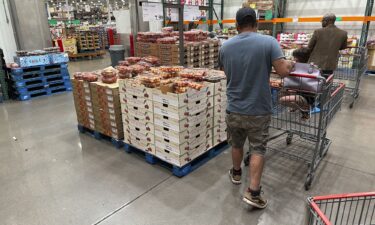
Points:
[[247, 60]]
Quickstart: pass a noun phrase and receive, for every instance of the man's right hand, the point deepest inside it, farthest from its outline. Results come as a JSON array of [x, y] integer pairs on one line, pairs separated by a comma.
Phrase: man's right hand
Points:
[[283, 67]]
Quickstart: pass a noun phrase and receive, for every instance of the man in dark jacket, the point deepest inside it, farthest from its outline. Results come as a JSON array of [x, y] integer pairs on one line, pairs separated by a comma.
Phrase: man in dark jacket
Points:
[[326, 43]]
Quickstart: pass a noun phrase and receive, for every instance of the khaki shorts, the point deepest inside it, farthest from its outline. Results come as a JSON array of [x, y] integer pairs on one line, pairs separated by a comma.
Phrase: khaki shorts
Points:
[[254, 128]]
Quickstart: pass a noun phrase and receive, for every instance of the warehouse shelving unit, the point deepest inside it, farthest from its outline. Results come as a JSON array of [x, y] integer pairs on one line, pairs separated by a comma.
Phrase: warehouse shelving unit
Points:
[[366, 25]]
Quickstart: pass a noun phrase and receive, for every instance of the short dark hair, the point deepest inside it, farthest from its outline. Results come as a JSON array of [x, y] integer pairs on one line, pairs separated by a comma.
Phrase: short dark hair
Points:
[[247, 21], [302, 55], [246, 17]]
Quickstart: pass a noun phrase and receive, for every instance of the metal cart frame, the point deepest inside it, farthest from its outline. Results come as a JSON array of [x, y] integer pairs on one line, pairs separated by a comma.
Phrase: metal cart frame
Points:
[[351, 67], [345, 209], [305, 140]]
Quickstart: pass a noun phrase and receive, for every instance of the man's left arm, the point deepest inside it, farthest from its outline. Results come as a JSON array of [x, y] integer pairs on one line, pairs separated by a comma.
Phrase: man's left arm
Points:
[[344, 44]]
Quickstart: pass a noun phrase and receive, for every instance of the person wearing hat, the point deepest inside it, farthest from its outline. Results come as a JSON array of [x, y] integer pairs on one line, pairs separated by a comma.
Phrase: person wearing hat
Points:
[[326, 43], [247, 61]]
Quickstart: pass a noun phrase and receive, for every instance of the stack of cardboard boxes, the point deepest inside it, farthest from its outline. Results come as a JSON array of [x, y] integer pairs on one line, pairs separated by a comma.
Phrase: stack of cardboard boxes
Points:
[[213, 62], [202, 54], [220, 105], [83, 103], [107, 109], [137, 115], [147, 49], [169, 54], [180, 125]]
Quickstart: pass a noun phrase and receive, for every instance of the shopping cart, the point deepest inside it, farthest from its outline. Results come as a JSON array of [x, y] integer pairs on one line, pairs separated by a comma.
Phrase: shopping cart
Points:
[[345, 209], [300, 138], [351, 66]]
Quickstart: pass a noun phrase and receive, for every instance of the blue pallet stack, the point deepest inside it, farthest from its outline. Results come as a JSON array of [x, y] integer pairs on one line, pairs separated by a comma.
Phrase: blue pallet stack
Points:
[[34, 81]]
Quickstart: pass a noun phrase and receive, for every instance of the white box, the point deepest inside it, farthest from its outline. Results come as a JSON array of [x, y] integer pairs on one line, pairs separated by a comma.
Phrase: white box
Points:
[[220, 87], [219, 139], [180, 125], [176, 137], [130, 123], [179, 113], [211, 88], [179, 100], [220, 100], [178, 149], [149, 148], [136, 101], [220, 131], [138, 115], [147, 105], [210, 113], [170, 157], [129, 86], [136, 135]]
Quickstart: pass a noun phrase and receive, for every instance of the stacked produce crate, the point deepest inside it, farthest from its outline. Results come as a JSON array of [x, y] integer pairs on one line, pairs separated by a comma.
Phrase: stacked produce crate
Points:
[[147, 49], [169, 54], [220, 105], [83, 103], [200, 52], [137, 115], [88, 41], [193, 52], [214, 47], [107, 109], [180, 125]]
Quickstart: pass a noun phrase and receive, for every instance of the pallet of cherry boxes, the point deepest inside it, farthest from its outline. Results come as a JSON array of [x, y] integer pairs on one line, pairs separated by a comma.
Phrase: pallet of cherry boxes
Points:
[[97, 106], [176, 128]]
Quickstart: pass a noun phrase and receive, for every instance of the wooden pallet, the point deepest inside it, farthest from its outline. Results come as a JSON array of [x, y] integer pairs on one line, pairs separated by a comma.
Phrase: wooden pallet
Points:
[[89, 55]]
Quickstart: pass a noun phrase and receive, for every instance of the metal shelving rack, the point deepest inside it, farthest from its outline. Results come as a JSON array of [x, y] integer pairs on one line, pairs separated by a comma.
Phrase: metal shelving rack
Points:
[[179, 4], [209, 7], [366, 25]]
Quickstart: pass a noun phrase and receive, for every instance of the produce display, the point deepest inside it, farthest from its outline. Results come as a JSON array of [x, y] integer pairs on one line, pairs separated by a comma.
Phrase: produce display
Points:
[[200, 52], [171, 112]]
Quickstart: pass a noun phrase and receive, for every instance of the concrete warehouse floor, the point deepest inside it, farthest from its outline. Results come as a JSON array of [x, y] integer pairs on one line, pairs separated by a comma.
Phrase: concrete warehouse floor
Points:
[[53, 175]]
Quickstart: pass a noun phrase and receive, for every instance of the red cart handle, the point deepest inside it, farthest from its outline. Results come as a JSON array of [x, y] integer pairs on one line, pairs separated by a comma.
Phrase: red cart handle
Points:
[[320, 213], [340, 196], [341, 86]]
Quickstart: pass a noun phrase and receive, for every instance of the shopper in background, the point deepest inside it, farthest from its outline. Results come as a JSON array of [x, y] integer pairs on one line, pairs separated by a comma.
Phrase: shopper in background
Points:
[[326, 43], [247, 60]]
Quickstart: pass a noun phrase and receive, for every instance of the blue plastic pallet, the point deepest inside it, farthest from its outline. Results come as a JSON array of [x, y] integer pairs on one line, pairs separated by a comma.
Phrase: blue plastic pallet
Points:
[[39, 69], [44, 92], [188, 168], [38, 85], [97, 135], [37, 81]]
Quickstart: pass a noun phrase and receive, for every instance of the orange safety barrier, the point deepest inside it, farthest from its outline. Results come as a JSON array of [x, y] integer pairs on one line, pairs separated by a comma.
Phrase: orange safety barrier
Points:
[[289, 20]]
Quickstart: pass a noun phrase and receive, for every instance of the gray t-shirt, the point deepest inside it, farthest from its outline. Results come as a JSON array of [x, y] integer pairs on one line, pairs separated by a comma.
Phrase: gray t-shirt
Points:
[[247, 61]]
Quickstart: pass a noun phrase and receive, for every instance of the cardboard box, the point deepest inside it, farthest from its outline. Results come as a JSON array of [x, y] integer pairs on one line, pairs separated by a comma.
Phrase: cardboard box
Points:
[[179, 100], [220, 87], [138, 135], [170, 157], [129, 87], [180, 125], [178, 149], [138, 115], [220, 100], [129, 123], [183, 112], [135, 101]]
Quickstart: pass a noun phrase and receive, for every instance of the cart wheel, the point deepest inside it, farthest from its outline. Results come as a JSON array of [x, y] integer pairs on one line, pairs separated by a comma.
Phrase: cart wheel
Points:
[[246, 160], [308, 182], [289, 139], [351, 105]]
